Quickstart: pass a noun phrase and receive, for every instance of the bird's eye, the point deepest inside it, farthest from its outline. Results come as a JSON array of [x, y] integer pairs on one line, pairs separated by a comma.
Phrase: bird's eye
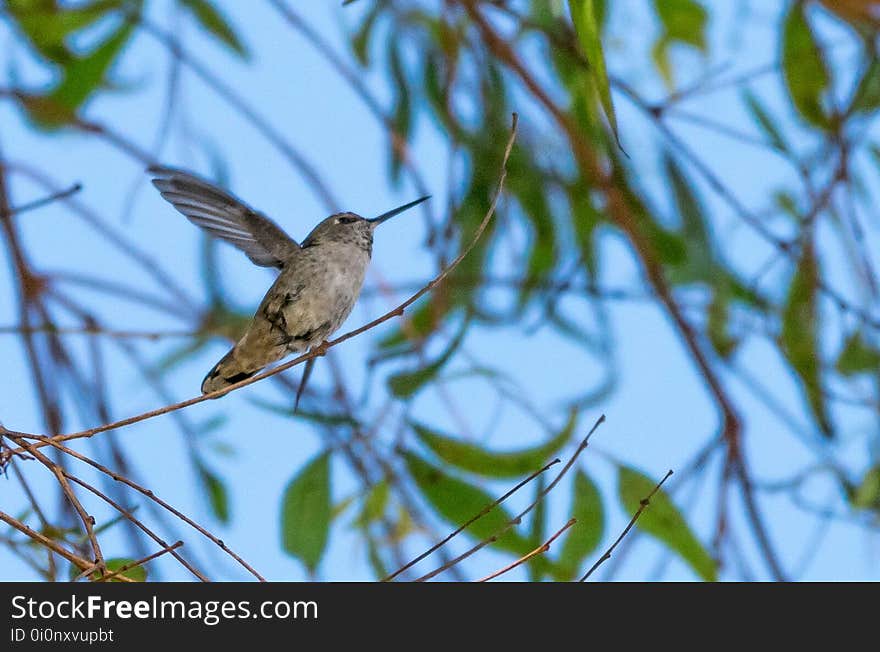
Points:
[[346, 220]]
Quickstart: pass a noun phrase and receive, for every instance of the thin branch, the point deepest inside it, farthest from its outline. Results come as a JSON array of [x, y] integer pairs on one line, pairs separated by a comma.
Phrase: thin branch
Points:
[[139, 524], [101, 332], [643, 504], [540, 550], [516, 520], [152, 496], [39, 203], [87, 519], [140, 562], [46, 542], [488, 508]]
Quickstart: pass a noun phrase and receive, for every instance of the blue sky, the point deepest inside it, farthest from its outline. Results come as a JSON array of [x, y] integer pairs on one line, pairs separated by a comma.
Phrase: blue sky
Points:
[[658, 415]]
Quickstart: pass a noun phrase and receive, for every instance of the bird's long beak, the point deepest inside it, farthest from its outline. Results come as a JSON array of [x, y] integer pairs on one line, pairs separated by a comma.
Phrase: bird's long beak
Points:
[[376, 221]]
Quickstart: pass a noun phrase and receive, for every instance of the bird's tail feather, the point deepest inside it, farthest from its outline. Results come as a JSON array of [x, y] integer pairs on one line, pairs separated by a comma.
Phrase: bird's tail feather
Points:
[[225, 373]]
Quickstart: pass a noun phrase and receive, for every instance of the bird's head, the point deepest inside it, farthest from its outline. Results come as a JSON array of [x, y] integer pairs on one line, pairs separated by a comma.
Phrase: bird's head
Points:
[[352, 228]]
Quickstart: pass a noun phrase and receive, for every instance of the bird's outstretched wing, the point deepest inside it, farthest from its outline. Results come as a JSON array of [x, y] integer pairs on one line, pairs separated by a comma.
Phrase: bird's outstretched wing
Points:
[[224, 216]]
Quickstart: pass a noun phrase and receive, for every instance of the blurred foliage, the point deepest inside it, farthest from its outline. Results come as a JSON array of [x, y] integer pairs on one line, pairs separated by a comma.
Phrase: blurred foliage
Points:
[[306, 511], [567, 187]]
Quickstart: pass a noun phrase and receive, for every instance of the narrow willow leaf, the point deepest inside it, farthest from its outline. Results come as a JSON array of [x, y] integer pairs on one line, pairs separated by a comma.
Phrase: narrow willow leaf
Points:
[[800, 335], [587, 533], [803, 66], [374, 504], [342, 506], [401, 118], [374, 556], [49, 26], [361, 39], [218, 496], [215, 23], [585, 220], [314, 417], [718, 322], [867, 94], [541, 253], [494, 464], [858, 356], [761, 117], [583, 15], [407, 383], [663, 521], [306, 512], [423, 320], [108, 524], [457, 502], [682, 21], [84, 76], [81, 76], [867, 494], [699, 263]]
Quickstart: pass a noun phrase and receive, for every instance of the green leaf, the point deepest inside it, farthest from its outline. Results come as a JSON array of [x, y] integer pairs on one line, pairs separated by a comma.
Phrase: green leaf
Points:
[[494, 464], [533, 199], [341, 507], [867, 494], [682, 21], [216, 24], [306, 512], [717, 322], [761, 117], [374, 556], [867, 95], [83, 76], [422, 322], [48, 26], [401, 119], [671, 247], [360, 40], [585, 219], [138, 573], [108, 524], [218, 496], [583, 538], [457, 502], [319, 418], [407, 383], [785, 202], [800, 335], [699, 264], [662, 520], [583, 15], [374, 504], [803, 67], [858, 357]]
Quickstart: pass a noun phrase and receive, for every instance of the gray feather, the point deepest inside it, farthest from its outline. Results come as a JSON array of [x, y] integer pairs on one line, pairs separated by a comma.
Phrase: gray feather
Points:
[[224, 216]]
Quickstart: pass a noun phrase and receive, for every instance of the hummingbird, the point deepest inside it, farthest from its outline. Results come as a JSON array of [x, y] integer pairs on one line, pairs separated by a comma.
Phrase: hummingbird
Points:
[[316, 289]]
